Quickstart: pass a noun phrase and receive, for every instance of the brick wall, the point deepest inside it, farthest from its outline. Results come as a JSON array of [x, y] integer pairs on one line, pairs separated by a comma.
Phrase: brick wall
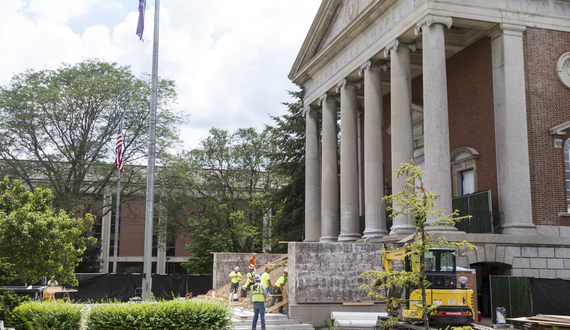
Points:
[[471, 110], [548, 105], [131, 239]]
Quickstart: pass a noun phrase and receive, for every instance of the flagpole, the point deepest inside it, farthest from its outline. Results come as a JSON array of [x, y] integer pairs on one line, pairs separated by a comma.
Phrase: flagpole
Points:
[[117, 216], [147, 265]]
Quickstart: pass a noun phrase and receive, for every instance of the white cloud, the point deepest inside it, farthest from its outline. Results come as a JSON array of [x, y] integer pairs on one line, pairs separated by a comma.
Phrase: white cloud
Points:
[[230, 59]]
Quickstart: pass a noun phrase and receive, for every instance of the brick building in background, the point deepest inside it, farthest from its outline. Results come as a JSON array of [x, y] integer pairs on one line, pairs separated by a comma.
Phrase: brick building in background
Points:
[[166, 260], [477, 93]]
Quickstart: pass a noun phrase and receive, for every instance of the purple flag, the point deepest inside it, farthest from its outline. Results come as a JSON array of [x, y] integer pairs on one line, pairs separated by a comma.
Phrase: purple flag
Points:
[[140, 25]]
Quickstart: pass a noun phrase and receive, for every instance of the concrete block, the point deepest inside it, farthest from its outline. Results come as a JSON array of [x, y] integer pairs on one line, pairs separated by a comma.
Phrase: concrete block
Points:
[[531, 272], [500, 254], [462, 261], [562, 253], [490, 251], [481, 253], [521, 263], [563, 273], [555, 263], [548, 273], [564, 231], [510, 253], [566, 263], [537, 263], [472, 257], [548, 231], [529, 251], [546, 252], [516, 272]]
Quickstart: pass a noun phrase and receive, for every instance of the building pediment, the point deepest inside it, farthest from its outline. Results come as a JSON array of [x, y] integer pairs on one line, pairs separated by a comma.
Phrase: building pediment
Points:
[[332, 19]]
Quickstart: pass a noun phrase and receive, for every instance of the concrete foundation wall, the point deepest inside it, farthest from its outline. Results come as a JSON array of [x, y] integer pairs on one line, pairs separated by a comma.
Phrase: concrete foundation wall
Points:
[[329, 272], [224, 264]]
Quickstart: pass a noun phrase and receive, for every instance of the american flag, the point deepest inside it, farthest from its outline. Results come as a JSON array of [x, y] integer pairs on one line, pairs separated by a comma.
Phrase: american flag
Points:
[[140, 23], [119, 149]]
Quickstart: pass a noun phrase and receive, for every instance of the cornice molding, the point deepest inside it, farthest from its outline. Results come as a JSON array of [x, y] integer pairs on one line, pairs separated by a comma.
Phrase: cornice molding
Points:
[[346, 83], [396, 44], [372, 65], [310, 108], [433, 19]]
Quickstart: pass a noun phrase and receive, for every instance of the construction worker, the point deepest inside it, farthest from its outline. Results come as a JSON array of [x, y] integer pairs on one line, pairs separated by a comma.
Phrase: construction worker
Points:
[[250, 280], [52, 282], [266, 280], [258, 293], [279, 284], [252, 261], [250, 277], [235, 276]]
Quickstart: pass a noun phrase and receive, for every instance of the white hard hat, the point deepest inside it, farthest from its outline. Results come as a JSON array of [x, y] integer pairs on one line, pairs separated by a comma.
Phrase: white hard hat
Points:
[[251, 267], [236, 269], [286, 270]]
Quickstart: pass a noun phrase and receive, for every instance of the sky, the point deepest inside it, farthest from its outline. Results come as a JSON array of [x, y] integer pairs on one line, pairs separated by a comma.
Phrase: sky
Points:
[[229, 58]]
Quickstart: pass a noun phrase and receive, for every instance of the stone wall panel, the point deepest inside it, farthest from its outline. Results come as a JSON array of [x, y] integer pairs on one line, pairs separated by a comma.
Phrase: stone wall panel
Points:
[[331, 271]]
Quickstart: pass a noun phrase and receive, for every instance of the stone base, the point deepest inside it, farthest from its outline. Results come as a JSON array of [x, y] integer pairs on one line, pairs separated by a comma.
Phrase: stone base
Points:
[[348, 237], [402, 230], [318, 314], [375, 234], [520, 229]]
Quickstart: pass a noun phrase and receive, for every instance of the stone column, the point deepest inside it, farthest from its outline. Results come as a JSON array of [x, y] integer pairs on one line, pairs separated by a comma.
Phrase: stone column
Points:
[[401, 124], [349, 185], [106, 235], [374, 206], [329, 206], [312, 176], [513, 172], [436, 123], [161, 248]]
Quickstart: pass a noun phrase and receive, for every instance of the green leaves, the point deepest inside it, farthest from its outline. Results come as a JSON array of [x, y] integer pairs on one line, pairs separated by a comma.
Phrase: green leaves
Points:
[[54, 316], [37, 240], [176, 314], [60, 126], [218, 195]]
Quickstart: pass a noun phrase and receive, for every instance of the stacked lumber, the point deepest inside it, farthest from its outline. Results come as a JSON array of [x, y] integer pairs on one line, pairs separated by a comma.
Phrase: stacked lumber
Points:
[[545, 322], [222, 293]]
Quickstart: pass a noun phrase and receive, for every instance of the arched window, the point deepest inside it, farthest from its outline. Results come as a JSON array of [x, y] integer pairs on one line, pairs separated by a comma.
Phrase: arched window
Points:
[[464, 171], [567, 167]]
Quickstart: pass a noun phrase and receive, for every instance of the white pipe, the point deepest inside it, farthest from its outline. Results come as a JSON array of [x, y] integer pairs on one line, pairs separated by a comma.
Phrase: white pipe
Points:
[[357, 315], [355, 323]]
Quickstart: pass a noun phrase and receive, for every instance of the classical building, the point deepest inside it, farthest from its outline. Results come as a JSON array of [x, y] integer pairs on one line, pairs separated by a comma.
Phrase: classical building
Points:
[[476, 92]]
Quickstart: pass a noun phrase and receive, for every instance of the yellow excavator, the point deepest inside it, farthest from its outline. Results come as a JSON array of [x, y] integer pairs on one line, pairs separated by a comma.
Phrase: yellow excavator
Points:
[[454, 304]]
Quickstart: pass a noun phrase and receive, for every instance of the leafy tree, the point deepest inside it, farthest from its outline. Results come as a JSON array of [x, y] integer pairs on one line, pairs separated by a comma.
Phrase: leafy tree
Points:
[[414, 200], [217, 195], [58, 129], [287, 161], [7, 271], [38, 240]]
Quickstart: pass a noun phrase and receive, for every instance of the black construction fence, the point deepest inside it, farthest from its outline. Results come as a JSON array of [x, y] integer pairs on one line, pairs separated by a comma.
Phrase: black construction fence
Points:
[[529, 296], [121, 287]]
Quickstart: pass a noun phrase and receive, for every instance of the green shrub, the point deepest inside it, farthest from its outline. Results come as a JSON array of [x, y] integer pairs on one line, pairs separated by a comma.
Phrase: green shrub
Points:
[[166, 315], [57, 315], [8, 301]]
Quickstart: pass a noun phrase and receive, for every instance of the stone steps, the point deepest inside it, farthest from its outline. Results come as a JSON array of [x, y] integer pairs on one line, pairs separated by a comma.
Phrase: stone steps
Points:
[[242, 319]]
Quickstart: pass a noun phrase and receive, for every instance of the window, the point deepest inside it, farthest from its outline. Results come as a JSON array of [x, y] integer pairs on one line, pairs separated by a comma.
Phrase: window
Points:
[[467, 182], [464, 171], [567, 169]]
